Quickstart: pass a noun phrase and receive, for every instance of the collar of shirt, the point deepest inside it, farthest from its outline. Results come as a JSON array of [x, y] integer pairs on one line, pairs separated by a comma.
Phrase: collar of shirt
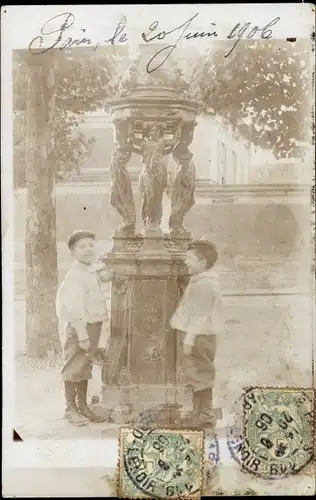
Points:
[[91, 268], [205, 274]]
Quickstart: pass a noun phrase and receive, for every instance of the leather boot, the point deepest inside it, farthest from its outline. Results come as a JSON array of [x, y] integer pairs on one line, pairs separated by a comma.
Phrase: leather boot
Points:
[[71, 413], [83, 408], [207, 416]]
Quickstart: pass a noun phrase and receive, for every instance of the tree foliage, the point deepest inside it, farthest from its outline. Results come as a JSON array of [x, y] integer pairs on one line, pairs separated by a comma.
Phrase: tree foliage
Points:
[[262, 89], [84, 81]]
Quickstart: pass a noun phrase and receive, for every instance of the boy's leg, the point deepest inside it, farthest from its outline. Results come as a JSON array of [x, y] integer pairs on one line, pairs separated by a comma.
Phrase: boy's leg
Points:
[[71, 413], [94, 331], [205, 356], [73, 365], [200, 374], [83, 407]]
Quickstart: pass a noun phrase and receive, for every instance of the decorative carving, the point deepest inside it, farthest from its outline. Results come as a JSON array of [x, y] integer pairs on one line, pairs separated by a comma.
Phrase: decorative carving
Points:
[[181, 378], [121, 284], [154, 353], [124, 376], [150, 130], [115, 363], [173, 246], [161, 113], [168, 75], [134, 245], [182, 198], [153, 178], [121, 193]]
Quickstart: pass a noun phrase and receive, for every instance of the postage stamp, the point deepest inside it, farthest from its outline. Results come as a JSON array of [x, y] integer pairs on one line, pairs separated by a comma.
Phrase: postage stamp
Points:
[[276, 438], [160, 463]]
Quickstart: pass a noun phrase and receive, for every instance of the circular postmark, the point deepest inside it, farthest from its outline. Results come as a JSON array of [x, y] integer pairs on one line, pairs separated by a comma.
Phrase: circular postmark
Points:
[[211, 463], [163, 463], [212, 452], [273, 432]]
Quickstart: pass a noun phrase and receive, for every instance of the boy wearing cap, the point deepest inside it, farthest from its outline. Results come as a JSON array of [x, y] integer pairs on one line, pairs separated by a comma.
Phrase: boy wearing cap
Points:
[[199, 319], [81, 305]]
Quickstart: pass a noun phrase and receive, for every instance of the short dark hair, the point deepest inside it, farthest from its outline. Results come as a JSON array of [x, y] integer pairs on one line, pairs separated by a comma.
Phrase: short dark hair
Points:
[[205, 250]]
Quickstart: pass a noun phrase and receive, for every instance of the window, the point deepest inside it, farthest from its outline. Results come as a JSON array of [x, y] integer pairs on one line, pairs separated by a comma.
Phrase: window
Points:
[[221, 162], [234, 167]]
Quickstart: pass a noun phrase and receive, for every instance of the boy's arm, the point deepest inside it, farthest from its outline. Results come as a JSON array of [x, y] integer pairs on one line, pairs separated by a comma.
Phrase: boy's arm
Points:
[[189, 338], [70, 300], [80, 326], [198, 305]]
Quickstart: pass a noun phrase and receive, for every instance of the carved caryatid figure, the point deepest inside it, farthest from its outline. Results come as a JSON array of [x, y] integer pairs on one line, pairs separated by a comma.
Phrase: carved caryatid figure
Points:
[[121, 193], [153, 178], [182, 198]]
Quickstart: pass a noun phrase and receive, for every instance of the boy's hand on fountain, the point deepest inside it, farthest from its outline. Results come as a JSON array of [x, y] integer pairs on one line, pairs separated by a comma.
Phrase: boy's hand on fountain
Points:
[[106, 275]]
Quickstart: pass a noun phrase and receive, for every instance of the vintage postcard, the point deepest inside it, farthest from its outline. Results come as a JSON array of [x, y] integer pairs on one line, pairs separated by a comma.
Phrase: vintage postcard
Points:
[[158, 250]]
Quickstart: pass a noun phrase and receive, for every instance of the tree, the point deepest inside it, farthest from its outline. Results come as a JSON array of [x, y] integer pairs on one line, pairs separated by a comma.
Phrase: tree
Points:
[[53, 90], [40, 229], [83, 81], [262, 89]]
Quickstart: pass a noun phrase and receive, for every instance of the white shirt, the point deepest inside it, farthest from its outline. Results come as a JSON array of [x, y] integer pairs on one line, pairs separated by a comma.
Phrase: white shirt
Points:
[[200, 311], [80, 297]]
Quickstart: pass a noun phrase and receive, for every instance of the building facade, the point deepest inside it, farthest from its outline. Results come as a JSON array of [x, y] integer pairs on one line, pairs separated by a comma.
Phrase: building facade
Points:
[[220, 156], [295, 171]]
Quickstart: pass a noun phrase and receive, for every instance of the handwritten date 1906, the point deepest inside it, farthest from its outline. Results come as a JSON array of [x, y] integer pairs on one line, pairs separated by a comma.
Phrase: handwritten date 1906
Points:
[[53, 35], [247, 30]]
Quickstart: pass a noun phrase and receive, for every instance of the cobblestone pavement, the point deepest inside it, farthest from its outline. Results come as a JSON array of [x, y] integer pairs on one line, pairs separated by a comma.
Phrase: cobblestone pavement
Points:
[[40, 405]]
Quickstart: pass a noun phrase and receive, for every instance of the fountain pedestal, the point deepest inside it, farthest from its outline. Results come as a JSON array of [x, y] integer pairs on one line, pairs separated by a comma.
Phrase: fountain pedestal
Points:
[[144, 373]]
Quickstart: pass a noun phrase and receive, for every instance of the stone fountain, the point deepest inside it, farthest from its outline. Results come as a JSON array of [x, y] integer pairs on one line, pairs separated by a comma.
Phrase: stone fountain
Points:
[[153, 117]]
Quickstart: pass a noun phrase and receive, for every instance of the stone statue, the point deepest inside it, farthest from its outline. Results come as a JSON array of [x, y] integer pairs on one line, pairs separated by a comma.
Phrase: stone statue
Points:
[[121, 193], [182, 198], [153, 178]]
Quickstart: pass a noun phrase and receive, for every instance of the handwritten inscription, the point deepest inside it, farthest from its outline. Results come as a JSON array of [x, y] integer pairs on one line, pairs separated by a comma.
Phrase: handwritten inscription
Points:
[[248, 31], [54, 35], [155, 34], [58, 26]]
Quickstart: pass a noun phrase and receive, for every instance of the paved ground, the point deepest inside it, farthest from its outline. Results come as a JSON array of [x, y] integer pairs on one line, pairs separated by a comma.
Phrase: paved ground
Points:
[[39, 406], [267, 342], [56, 482], [257, 346], [100, 482]]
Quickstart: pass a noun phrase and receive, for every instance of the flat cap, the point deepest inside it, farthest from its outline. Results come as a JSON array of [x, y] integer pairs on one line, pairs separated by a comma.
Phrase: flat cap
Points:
[[206, 247], [79, 235]]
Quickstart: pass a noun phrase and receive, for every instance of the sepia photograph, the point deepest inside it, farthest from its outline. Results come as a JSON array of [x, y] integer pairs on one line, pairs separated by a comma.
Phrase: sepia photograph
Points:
[[163, 249]]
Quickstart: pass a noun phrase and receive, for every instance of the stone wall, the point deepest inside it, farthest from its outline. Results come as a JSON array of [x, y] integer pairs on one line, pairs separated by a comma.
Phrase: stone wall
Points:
[[261, 247]]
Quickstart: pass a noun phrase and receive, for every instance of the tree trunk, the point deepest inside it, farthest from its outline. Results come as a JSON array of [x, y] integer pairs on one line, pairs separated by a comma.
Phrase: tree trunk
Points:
[[40, 237]]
